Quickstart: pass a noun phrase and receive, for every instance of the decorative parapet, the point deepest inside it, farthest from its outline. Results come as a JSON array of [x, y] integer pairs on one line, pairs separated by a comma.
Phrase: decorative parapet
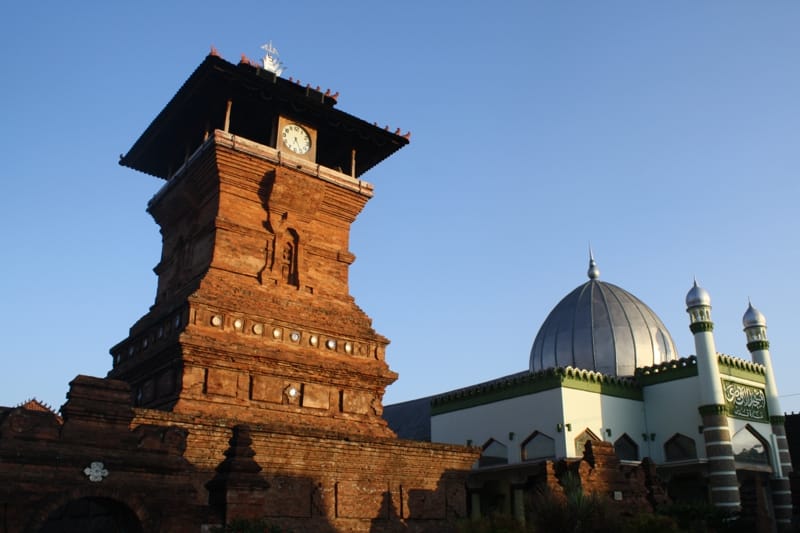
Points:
[[687, 367], [741, 368], [591, 381], [525, 383], [682, 368], [32, 404]]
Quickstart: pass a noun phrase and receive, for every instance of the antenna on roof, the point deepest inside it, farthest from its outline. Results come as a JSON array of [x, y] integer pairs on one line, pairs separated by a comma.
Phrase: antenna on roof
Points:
[[271, 59]]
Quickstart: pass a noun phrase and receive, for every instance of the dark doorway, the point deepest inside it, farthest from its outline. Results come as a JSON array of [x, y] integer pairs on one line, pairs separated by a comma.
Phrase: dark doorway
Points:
[[92, 515]]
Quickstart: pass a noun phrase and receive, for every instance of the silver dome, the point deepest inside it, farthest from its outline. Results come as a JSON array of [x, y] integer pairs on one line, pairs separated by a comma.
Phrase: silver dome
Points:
[[601, 327], [697, 296], [753, 317]]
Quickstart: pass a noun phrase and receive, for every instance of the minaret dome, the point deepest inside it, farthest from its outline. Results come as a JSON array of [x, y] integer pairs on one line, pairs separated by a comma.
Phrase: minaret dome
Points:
[[697, 296], [753, 318]]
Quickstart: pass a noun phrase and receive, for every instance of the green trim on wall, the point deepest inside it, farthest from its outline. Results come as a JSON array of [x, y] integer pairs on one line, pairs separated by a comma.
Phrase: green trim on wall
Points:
[[589, 381], [699, 327], [754, 346], [777, 420], [494, 391], [685, 367], [713, 409], [525, 383]]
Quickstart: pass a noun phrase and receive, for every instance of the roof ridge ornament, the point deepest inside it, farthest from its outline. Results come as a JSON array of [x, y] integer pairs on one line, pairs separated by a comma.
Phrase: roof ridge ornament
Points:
[[271, 59], [593, 272]]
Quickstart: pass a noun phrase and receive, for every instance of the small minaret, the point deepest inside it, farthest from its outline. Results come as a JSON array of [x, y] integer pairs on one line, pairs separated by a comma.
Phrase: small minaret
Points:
[[755, 329], [716, 431]]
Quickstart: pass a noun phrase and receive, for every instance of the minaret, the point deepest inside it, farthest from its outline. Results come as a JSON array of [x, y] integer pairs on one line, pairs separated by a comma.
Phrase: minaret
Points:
[[253, 319], [716, 431], [755, 329]]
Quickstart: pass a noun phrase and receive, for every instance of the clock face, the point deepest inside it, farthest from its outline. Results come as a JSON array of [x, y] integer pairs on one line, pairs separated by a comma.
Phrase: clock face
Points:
[[296, 139]]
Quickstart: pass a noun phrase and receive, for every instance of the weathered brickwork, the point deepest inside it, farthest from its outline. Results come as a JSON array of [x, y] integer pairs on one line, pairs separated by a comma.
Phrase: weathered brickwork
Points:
[[252, 388], [46, 461], [630, 489], [254, 334], [177, 472]]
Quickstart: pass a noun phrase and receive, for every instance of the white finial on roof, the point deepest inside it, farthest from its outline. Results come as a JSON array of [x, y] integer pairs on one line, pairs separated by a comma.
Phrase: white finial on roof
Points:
[[271, 59], [594, 272]]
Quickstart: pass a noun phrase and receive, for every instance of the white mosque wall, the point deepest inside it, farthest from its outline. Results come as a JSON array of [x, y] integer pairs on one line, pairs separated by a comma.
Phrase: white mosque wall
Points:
[[608, 417], [670, 408], [509, 422], [560, 413]]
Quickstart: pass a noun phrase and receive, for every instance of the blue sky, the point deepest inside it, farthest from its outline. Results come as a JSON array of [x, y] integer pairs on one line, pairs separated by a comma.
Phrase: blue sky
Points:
[[666, 134]]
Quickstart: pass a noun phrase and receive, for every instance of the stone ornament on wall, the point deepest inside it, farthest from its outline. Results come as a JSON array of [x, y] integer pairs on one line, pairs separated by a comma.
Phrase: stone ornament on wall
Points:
[[96, 471], [744, 401]]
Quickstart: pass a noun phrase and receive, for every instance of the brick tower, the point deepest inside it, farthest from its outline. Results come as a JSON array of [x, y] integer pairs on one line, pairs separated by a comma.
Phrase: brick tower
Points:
[[253, 318], [252, 389]]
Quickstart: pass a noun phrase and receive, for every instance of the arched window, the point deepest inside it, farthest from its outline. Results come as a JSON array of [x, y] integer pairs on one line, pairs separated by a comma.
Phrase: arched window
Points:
[[626, 448], [580, 440], [680, 448], [538, 447], [494, 453], [750, 447]]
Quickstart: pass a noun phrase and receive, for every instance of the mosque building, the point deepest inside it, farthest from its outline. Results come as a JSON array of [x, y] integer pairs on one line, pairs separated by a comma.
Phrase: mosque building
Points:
[[604, 370], [252, 389]]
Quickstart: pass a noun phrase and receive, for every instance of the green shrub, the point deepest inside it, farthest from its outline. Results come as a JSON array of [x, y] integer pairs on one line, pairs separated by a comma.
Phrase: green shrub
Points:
[[257, 525], [650, 523], [576, 512], [496, 523]]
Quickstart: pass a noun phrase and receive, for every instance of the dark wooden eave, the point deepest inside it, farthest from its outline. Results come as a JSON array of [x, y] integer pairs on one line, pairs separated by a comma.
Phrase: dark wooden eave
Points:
[[258, 97]]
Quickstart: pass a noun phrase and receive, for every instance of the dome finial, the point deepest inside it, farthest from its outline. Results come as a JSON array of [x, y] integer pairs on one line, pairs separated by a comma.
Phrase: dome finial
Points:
[[594, 272]]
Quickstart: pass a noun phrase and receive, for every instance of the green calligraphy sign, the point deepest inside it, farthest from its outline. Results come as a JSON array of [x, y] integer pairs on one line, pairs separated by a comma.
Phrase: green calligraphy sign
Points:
[[744, 401]]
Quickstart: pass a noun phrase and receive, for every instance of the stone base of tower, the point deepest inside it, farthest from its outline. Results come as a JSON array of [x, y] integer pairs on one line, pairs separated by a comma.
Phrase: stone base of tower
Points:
[[324, 481], [164, 471]]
